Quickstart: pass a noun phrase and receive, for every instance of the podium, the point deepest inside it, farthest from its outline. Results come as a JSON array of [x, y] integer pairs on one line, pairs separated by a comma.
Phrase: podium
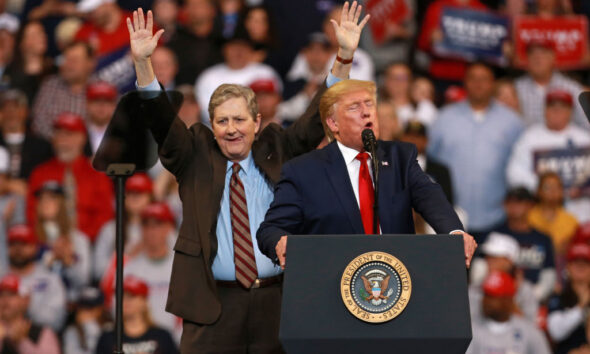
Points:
[[315, 319]]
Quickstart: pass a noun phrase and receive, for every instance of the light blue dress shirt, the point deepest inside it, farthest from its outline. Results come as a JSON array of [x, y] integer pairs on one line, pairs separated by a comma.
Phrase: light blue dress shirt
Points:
[[476, 151], [259, 195]]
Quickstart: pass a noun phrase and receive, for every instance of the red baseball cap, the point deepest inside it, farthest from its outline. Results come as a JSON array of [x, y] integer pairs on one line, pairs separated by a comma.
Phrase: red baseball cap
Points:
[[159, 211], [583, 233], [264, 85], [71, 122], [101, 90], [21, 233], [559, 96], [11, 283], [579, 251], [455, 94], [135, 286], [499, 284], [140, 183]]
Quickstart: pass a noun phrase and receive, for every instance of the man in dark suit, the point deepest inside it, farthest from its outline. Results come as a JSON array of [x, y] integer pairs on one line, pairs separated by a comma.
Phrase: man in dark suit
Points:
[[227, 293], [415, 133], [330, 191]]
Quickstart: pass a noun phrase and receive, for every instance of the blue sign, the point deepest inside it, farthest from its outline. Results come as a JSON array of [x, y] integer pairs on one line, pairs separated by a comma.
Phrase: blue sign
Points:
[[571, 164], [473, 35]]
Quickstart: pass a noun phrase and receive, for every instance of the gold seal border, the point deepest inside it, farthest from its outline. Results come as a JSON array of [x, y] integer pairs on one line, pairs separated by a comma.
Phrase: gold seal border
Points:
[[405, 287]]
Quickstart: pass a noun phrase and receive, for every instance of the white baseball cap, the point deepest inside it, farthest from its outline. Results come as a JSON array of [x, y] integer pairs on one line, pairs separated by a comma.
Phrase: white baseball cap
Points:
[[89, 5], [501, 245]]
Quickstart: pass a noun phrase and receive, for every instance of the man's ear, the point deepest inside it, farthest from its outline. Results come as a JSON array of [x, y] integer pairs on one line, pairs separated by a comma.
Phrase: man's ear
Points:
[[332, 124], [257, 121]]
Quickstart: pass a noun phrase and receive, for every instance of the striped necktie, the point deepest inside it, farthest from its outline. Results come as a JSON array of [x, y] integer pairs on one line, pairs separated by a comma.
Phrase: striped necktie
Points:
[[246, 272]]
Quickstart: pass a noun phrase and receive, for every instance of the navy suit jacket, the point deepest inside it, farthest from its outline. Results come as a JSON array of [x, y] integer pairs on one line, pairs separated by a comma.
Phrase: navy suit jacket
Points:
[[314, 197]]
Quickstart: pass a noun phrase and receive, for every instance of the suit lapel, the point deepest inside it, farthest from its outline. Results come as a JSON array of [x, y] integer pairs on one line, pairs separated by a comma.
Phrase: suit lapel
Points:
[[338, 174]]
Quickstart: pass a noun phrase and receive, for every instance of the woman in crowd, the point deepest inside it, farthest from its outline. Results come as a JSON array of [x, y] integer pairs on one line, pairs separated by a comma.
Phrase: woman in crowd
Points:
[[139, 333], [549, 216], [262, 32], [67, 249]]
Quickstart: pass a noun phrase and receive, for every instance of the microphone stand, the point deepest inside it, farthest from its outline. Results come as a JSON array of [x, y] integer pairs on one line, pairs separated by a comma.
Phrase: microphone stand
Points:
[[375, 162]]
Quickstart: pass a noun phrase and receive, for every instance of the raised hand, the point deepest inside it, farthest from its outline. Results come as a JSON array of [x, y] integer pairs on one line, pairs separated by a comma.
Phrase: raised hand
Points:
[[143, 42], [348, 32]]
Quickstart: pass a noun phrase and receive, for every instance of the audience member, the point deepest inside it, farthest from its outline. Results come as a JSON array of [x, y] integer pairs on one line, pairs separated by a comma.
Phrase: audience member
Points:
[[105, 30], [506, 94], [138, 194], [26, 150], [474, 139], [416, 133], [101, 101], [139, 332], [64, 92], [194, 43], [568, 310], [11, 208], [549, 216], [153, 264], [556, 133], [262, 30], [237, 68], [500, 330], [536, 258], [17, 333], [305, 76], [189, 112], [47, 305], [81, 337], [88, 193], [229, 16], [540, 79], [397, 89], [32, 62], [165, 66], [268, 98], [389, 125], [501, 253], [166, 13], [67, 250], [444, 71]]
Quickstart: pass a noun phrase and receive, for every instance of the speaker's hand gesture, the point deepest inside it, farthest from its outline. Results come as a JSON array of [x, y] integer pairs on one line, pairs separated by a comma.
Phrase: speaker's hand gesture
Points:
[[143, 42]]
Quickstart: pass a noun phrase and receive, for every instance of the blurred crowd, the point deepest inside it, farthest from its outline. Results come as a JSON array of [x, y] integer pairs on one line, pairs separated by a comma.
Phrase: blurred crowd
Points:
[[478, 128]]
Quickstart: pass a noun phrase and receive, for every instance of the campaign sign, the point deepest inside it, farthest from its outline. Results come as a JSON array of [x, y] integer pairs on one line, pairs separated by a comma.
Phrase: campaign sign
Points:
[[384, 12], [471, 34], [572, 165], [567, 34]]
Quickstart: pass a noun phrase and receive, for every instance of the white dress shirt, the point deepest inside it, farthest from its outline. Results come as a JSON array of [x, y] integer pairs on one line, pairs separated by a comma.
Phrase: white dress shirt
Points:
[[353, 166]]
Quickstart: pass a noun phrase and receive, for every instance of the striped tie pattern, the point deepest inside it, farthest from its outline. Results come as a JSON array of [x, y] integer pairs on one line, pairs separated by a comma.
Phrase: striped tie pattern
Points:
[[246, 272]]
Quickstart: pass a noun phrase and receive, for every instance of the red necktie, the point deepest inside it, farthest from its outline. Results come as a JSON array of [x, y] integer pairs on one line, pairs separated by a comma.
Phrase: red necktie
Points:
[[366, 193], [244, 259]]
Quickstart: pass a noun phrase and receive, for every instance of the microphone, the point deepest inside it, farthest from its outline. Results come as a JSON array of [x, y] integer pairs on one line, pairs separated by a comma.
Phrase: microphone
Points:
[[370, 145], [369, 141]]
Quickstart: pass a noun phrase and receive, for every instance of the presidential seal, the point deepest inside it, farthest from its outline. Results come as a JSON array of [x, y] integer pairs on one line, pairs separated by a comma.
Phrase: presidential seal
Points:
[[376, 287]]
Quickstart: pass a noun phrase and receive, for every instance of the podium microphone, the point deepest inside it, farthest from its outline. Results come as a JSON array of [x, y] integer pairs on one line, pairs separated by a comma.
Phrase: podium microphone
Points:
[[370, 145]]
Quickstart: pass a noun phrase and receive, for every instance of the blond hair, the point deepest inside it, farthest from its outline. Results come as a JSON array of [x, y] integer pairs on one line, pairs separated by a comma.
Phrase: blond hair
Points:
[[335, 92], [228, 91]]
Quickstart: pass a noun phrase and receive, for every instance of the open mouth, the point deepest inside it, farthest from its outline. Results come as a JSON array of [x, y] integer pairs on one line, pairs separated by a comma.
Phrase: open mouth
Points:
[[369, 125]]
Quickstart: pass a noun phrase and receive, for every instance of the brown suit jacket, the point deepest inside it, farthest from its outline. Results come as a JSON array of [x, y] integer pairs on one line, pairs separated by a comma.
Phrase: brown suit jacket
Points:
[[196, 161]]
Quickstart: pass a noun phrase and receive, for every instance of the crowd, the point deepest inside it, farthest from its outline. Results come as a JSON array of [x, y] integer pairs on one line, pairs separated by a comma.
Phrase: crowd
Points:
[[480, 129]]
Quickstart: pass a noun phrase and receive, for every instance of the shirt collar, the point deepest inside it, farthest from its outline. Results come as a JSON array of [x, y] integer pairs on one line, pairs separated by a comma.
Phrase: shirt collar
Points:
[[349, 154], [246, 164]]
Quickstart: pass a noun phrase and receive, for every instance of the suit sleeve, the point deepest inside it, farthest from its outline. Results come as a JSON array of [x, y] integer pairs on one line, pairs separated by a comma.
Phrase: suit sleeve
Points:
[[285, 215], [306, 133], [429, 200], [170, 133]]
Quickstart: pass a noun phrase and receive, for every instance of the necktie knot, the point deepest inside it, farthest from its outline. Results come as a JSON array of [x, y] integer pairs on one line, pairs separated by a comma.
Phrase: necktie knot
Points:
[[236, 168], [362, 156]]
